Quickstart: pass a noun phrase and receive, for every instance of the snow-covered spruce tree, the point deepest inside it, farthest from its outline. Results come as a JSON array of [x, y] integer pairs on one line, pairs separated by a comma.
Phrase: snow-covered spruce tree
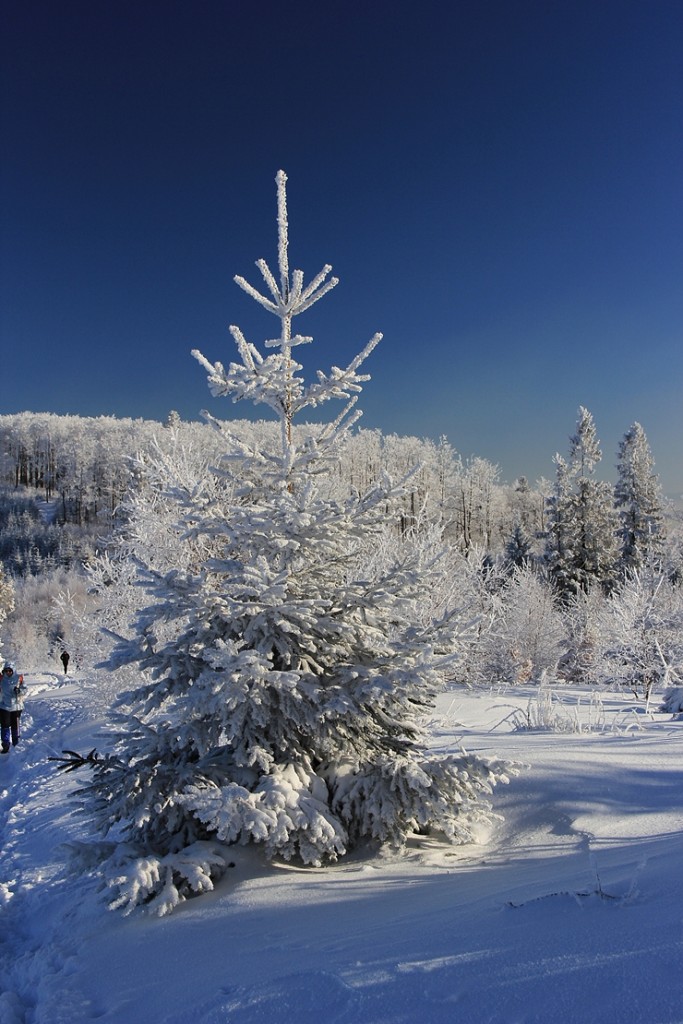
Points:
[[638, 499], [286, 705], [559, 526], [518, 549], [582, 525]]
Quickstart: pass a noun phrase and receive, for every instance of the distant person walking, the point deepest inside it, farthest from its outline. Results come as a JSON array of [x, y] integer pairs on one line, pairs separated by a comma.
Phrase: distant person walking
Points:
[[12, 693], [65, 661]]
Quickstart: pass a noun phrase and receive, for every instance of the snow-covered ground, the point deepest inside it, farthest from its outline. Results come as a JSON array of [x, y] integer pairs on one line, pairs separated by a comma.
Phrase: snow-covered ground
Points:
[[570, 910]]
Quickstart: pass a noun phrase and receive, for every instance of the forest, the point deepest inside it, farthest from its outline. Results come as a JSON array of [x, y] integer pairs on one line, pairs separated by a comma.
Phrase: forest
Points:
[[560, 604]]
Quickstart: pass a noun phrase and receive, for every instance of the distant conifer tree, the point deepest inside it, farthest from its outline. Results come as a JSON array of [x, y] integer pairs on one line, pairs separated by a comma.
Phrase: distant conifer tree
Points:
[[638, 499], [582, 547], [518, 550]]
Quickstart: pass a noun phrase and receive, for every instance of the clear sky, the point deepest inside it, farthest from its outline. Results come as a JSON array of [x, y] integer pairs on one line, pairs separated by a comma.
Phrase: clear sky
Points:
[[498, 185]]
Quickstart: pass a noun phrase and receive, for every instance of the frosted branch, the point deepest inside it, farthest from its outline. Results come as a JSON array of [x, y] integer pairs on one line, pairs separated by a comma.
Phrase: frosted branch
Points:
[[298, 339], [261, 299], [269, 279], [317, 281], [209, 367], [362, 356], [339, 383], [245, 350], [305, 304]]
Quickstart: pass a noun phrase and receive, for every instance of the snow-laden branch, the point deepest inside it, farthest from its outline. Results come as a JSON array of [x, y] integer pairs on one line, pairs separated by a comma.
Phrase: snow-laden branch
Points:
[[340, 383]]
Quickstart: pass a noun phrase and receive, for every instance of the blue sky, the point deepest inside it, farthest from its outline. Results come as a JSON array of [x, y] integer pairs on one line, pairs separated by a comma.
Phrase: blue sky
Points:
[[497, 184]]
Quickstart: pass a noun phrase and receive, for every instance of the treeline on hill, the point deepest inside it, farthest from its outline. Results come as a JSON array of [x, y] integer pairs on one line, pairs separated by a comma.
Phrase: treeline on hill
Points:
[[71, 470], [575, 576]]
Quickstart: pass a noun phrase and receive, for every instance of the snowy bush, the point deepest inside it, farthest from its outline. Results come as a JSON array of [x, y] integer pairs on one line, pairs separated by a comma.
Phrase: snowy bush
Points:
[[641, 634], [673, 700], [283, 690], [583, 615], [528, 635]]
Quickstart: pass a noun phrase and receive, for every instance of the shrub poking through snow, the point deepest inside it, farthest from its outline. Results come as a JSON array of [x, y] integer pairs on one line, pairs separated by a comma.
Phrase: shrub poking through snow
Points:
[[545, 712]]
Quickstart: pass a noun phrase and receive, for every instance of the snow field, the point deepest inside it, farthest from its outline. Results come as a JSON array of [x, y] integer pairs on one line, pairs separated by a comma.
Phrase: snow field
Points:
[[571, 909]]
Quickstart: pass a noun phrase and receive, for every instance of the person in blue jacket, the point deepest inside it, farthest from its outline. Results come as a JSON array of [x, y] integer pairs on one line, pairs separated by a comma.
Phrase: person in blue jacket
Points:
[[12, 693]]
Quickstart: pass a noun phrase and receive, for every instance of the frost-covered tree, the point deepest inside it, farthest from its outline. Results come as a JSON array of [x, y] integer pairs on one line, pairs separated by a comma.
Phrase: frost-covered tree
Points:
[[282, 689], [476, 499], [582, 612], [527, 637], [641, 634], [523, 508], [518, 550], [478, 582], [638, 498], [582, 525], [559, 525], [6, 596]]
